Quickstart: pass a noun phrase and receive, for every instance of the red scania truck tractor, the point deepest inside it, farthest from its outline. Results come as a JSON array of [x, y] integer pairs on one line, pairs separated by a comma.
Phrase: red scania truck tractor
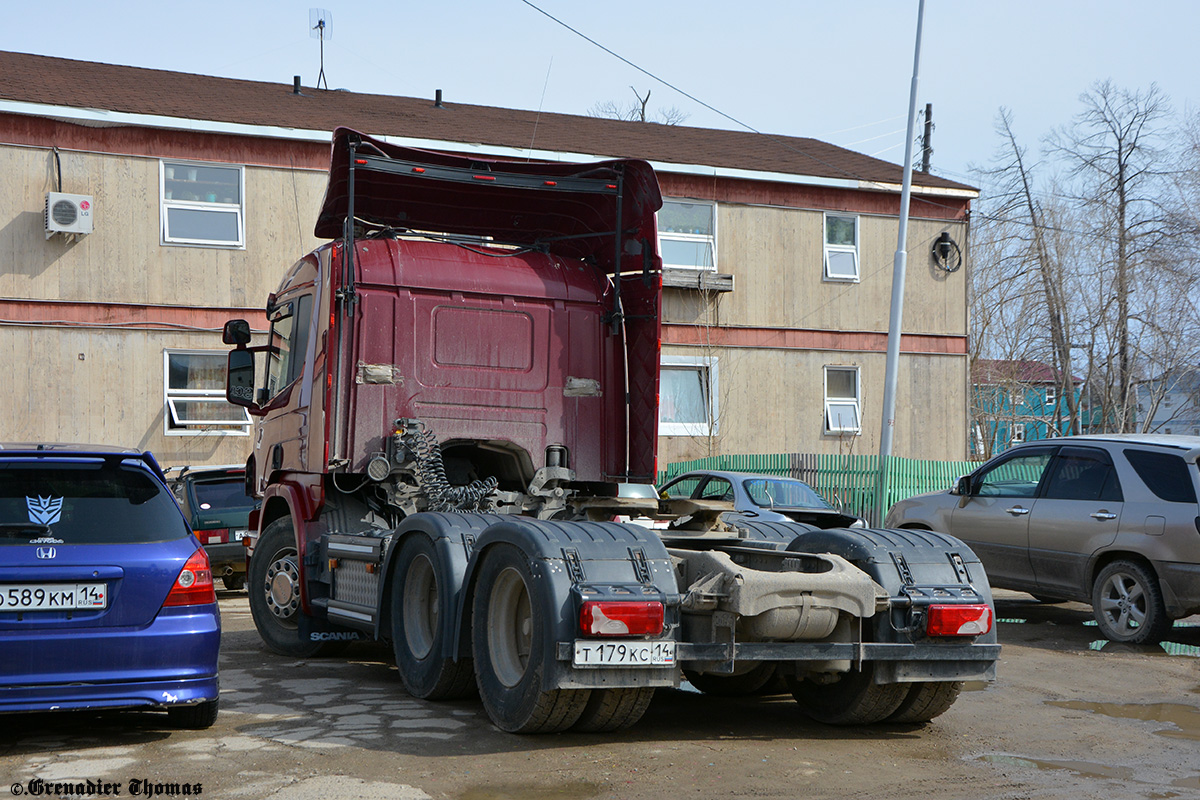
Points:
[[456, 394]]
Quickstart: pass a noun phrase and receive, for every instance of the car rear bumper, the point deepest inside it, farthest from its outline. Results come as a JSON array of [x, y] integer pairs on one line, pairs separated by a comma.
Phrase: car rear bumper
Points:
[[171, 661], [1181, 587]]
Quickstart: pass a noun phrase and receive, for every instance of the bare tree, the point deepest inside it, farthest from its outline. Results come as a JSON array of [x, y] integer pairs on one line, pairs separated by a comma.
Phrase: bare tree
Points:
[[635, 111], [1111, 150]]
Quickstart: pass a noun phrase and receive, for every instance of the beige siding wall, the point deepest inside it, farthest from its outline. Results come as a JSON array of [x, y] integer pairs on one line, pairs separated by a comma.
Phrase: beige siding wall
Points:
[[122, 260], [100, 386], [772, 401], [776, 258]]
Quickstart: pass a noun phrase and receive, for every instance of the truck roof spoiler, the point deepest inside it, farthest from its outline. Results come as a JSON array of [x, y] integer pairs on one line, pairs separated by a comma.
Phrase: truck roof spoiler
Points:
[[566, 208]]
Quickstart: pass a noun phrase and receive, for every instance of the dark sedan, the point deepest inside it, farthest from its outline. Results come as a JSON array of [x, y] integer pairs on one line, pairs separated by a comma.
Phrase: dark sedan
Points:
[[766, 498]]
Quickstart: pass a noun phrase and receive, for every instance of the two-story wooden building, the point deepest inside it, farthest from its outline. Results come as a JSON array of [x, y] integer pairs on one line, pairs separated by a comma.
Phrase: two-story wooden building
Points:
[[140, 209]]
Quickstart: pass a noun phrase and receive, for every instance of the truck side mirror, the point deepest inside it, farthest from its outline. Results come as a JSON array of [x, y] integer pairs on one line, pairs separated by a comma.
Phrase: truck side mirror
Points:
[[239, 380], [236, 332]]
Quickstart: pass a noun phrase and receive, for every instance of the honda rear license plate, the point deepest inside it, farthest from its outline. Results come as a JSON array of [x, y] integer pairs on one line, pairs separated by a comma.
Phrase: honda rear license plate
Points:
[[52, 596], [592, 653]]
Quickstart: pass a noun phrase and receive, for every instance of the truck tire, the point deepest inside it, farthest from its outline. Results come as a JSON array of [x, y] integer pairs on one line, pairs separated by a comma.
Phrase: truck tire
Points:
[[610, 710], [1128, 604], [747, 683], [420, 604], [926, 700], [507, 635], [273, 578], [853, 699]]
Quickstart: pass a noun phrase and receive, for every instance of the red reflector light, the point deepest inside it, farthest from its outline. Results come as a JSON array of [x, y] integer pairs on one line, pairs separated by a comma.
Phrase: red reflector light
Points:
[[418, 169], [620, 618], [551, 183], [360, 161], [959, 620], [194, 586], [216, 536], [485, 177]]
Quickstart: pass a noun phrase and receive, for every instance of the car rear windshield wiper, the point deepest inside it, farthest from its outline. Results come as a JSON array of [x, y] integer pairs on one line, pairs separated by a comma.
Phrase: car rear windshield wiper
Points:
[[23, 530]]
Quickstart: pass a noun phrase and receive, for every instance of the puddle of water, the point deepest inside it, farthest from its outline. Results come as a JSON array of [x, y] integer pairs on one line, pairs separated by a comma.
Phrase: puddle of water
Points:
[[1186, 719], [576, 790], [1163, 648], [1082, 768]]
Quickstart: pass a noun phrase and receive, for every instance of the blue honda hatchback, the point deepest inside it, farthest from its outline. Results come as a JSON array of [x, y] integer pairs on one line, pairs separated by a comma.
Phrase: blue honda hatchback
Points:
[[106, 596]]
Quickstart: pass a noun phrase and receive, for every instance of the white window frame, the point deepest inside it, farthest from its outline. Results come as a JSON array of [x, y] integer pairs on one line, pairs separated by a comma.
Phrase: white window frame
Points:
[[699, 238], [1051, 395], [834, 404], [704, 364], [835, 249], [166, 204], [239, 426], [1018, 433]]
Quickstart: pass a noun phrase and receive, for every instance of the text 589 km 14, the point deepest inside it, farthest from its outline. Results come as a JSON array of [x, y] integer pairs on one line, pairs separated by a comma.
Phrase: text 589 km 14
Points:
[[52, 596]]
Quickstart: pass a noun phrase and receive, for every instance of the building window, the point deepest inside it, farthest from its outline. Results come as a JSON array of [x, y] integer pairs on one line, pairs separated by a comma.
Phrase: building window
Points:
[[841, 248], [1051, 395], [687, 234], [202, 204], [1018, 432], [688, 396], [194, 388], [842, 404]]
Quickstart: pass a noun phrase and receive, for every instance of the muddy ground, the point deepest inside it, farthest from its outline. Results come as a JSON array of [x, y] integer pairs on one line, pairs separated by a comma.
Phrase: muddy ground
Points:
[[1069, 717]]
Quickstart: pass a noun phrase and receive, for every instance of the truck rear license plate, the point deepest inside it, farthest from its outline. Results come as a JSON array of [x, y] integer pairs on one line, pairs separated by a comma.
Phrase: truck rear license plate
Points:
[[52, 596], [593, 653]]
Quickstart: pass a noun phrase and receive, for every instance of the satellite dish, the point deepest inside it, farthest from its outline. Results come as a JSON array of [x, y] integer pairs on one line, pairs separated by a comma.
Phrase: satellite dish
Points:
[[320, 26]]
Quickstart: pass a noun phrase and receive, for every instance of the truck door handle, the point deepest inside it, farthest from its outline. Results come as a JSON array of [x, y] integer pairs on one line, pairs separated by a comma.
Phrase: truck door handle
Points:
[[1017, 511], [1103, 515]]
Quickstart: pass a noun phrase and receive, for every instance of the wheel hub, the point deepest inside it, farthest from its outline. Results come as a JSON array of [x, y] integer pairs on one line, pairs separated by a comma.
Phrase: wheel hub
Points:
[[283, 587]]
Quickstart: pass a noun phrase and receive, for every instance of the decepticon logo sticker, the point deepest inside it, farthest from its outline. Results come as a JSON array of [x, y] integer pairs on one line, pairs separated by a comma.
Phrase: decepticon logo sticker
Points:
[[44, 510]]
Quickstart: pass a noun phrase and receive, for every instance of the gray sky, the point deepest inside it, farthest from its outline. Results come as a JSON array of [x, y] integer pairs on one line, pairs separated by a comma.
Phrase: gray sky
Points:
[[839, 72]]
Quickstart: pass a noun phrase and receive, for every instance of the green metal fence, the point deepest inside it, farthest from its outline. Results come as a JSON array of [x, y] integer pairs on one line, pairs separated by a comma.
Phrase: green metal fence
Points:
[[846, 481]]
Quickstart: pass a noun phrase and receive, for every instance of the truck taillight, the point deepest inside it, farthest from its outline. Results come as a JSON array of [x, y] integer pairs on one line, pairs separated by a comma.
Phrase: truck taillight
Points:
[[959, 620], [194, 586], [621, 618]]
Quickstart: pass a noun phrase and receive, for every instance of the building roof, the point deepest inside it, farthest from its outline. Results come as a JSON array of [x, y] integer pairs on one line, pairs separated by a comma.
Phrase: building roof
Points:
[[60, 82], [996, 371]]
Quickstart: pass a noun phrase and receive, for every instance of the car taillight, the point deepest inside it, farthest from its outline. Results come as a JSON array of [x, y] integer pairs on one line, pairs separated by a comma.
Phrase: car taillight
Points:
[[958, 620], [619, 618], [216, 536], [194, 586]]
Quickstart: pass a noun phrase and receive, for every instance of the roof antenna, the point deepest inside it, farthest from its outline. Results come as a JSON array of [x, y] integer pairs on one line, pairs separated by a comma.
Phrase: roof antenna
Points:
[[320, 26]]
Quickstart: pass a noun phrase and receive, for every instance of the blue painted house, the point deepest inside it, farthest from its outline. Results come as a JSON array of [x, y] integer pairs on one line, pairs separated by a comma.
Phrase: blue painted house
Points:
[[1170, 403], [1016, 401]]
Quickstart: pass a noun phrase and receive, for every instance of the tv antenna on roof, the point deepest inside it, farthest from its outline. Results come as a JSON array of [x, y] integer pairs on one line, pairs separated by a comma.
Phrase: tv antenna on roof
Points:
[[320, 26]]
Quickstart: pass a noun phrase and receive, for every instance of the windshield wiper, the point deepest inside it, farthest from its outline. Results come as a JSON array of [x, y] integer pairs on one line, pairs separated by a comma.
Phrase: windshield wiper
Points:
[[21, 530]]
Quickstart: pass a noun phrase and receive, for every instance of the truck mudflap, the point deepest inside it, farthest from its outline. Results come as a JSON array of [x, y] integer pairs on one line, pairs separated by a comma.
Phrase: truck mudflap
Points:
[[573, 563], [919, 570]]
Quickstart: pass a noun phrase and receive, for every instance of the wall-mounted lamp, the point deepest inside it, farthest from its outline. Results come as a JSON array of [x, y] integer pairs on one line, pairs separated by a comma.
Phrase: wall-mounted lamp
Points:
[[946, 253]]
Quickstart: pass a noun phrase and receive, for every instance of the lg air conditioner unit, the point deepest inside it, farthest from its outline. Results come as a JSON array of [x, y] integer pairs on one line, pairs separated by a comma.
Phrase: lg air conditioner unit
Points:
[[68, 213]]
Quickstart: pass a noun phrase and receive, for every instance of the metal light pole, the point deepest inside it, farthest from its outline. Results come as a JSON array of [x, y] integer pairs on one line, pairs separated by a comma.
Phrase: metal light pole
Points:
[[899, 266]]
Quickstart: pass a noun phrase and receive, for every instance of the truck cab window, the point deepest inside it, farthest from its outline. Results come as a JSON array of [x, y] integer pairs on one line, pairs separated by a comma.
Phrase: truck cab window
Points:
[[289, 338]]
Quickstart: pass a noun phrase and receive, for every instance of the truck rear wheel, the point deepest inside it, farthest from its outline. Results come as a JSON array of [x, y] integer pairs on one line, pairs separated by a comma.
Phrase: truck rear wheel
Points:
[[852, 699], [508, 634], [926, 700], [610, 710], [273, 579], [419, 601]]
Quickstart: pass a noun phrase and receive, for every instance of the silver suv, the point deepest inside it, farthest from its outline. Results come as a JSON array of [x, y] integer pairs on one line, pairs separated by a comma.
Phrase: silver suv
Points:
[[1110, 520]]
